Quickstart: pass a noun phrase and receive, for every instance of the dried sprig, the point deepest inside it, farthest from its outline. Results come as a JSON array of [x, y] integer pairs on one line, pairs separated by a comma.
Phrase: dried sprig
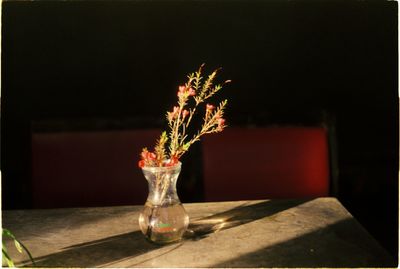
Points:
[[180, 118], [159, 149]]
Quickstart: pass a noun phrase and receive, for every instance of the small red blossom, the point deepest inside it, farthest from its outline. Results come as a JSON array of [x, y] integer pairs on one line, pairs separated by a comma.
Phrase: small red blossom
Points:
[[151, 156], [191, 92], [141, 163], [171, 162], [146, 155], [170, 116], [181, 90], [210, 107], [221, 124], [173, 114], [185, 113]]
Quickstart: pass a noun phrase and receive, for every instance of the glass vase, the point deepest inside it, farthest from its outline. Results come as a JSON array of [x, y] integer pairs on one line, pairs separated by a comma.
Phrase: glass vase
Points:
[[163, 218]]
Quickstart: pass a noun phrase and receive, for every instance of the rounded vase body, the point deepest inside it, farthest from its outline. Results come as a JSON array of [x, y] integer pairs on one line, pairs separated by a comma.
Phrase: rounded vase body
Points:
[[163, 218]]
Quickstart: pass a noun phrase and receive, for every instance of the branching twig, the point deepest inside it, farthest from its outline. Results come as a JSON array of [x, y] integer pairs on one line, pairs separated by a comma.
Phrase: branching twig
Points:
[[180, 118]]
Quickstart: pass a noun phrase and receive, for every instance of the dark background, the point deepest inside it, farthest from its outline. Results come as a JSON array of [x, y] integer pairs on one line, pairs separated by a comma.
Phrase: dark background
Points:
[[292, 62]]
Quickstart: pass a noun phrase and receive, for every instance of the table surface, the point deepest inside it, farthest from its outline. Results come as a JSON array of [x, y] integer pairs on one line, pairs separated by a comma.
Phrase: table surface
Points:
[[265, 233]]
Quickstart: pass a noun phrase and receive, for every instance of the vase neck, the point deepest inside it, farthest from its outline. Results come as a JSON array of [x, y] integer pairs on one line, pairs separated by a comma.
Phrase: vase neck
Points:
[[162, 186]]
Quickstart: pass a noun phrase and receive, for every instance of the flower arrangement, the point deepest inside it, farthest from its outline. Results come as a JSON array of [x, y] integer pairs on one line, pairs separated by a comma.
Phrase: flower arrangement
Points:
[[194, 93], [164, 219]]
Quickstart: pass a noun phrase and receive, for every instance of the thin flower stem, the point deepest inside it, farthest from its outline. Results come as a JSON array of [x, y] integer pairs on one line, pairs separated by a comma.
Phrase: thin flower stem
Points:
[[191, 115], [183, 135]]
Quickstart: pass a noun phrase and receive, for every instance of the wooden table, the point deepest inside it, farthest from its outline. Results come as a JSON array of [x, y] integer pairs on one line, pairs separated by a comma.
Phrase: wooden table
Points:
[[268, 233]]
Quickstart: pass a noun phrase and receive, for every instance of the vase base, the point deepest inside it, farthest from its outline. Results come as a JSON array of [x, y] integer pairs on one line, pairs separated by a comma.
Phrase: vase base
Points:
[[164, 238], [165, 242]]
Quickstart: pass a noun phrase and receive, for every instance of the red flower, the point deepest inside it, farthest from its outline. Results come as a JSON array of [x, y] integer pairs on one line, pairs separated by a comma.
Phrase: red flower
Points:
[[191, 92], [181, 90], [185, 113], [146, 155], [221, 122], [173, 161], [172, 115], [141, 164], [151, 156], [210, 107]]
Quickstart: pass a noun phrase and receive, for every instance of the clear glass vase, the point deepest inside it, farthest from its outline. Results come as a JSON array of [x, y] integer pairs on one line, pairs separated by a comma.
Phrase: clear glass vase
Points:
[[163, 219]]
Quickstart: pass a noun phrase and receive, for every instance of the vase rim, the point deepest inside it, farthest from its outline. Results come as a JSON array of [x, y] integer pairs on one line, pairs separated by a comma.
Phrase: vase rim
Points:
[[162, 168]]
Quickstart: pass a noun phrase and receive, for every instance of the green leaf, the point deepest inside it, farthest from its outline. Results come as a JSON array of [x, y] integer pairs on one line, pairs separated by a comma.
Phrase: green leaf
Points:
[[9, 261], [8, 233], [18, 246], [186, 146]]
